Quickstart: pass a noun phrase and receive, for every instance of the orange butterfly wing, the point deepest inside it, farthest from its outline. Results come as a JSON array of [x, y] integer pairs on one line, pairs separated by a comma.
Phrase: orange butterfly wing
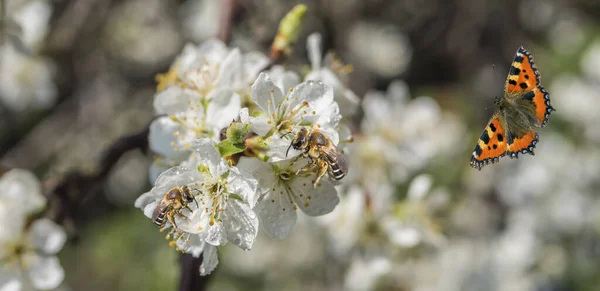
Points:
[[524, 80], [492, 144]]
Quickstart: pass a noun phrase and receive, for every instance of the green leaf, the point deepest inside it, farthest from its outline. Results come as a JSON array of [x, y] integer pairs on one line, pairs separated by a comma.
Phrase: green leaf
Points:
[[227, 148]]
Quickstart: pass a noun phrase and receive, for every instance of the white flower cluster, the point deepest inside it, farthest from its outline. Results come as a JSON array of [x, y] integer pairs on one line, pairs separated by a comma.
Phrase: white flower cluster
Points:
[[225, 161], [27, 246], [26, 78]]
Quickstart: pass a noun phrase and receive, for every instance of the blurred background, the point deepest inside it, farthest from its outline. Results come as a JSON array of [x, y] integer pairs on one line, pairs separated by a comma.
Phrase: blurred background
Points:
[[75, 75]]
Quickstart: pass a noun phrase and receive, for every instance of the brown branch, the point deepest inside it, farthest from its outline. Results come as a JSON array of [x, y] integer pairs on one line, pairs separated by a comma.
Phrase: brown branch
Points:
[[190, 274], [67, 194], [227, 9]]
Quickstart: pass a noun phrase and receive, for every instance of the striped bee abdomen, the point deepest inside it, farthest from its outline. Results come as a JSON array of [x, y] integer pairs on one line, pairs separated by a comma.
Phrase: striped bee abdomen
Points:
[[336, 172], [158, 216]]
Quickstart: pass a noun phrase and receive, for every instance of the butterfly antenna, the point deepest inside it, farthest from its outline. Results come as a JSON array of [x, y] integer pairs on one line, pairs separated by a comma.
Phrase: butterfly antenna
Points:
[[288, 150]]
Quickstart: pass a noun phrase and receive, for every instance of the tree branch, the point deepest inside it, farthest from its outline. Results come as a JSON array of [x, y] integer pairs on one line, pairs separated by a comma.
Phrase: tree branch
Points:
[[67, 194], [190, 274]]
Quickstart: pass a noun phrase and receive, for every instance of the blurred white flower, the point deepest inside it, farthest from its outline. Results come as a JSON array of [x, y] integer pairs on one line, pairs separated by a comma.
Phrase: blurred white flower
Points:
[[283, 192], [200, 18], [225, 195], [33, 19], [28, 256], [364, 273], [21, 194], [26, 81], [308, 104], [381, 49], [331, 75]]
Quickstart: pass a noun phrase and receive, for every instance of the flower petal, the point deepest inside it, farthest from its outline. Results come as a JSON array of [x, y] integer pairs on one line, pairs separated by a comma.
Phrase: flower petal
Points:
[[193, 246], [266, 94], [161, 137], [230, 69], [46, 273], [216, 234], [243, 184], [22, 191], [47, 236], [253, 64], [276, 213], [313, 46], [174, 99], [208, 156], [10, 281], [241, 223], [223, 108], [210, 260], [314, 202], [212, 50], [285, 80]]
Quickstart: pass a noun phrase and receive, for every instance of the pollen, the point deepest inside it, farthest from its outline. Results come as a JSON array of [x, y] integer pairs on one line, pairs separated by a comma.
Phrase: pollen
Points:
[[295, 208], [272, 200], [200, 228], [318, 125], [308, 197], [283, 209], [272, 91], [314, 112], [172, 243], [306, 204]]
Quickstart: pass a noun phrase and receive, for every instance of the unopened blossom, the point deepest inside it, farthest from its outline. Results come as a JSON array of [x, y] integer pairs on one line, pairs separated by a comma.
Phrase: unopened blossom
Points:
[[333, 73], [308, 104], [225, 196]]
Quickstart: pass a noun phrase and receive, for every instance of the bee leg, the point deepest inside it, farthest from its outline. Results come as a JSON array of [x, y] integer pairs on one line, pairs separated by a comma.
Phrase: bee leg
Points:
[[307, 168], [323, 166], [171, 218]]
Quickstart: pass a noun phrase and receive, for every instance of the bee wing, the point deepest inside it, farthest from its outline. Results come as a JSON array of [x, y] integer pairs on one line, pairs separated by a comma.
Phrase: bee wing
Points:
[[337, 161], [159, 210]]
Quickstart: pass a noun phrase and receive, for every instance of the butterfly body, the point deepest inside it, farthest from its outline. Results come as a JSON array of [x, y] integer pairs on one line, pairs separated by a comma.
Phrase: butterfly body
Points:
[[524, 106]]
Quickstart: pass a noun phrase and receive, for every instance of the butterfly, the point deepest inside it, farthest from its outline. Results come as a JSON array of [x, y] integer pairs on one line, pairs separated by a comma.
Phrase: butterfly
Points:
[[524, 106]]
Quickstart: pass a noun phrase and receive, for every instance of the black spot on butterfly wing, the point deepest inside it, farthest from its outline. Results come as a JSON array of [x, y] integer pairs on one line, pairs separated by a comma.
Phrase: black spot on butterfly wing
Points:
[[519, 59], [529, 95], [478, 150], [523, 85], [492, 127], [485, 137], [512, 82], [514, 70], [500, 137]]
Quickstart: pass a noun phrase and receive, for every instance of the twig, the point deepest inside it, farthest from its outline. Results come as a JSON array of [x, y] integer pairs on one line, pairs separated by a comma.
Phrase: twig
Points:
[[77, 186], [190, 274], [227, 8], [190, 279]]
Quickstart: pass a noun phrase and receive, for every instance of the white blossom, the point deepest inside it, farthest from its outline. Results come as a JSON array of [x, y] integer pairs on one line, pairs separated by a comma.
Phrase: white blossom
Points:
[[27, 251], [225, 196], [26, 81], [283, 191], [308, 104], [331, 74]]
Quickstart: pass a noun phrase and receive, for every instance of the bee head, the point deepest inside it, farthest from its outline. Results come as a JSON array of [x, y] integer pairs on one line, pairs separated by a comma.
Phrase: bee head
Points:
[[300, 140], [187, 194]]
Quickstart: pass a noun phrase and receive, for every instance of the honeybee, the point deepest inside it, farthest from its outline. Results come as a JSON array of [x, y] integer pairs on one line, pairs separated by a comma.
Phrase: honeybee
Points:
[[174, 200], [324, 156]]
